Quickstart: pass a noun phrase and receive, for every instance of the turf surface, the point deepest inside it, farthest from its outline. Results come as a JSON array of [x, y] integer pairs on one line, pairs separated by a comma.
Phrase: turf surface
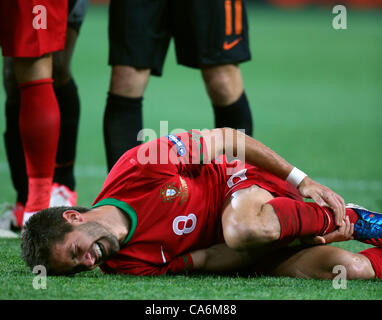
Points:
[[316, 97]]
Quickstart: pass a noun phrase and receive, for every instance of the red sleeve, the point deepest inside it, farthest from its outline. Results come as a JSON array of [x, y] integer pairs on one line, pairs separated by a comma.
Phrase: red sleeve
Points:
[[180, 153], [126, 265]]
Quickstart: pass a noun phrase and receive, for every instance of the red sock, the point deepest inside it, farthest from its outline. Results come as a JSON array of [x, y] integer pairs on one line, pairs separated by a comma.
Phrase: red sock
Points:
[[298, 218], [375, 257], [39, 129]]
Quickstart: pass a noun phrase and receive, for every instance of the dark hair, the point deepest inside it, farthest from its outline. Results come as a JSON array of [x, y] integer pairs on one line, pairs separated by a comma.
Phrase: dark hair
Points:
[[41, 231]]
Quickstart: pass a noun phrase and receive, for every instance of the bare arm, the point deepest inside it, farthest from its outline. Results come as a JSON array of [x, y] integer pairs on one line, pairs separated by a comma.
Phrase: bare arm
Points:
[[232, 142], [226, 140], [220, 258]]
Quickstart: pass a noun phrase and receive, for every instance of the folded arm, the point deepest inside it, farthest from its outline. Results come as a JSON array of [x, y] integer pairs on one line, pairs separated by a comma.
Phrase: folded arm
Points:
[[220, 258]]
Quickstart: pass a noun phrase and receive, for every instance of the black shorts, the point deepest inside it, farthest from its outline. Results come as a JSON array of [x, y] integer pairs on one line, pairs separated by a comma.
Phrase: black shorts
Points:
[[206, 32], [76, 13]]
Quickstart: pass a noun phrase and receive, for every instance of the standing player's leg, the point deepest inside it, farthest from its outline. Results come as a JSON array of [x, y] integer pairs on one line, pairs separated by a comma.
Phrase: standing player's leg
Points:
[[138, 42], [224, 86], [213, 37], [63, 192], [13, 148], [39, 122], [31, 43], [66, 92], [68, 101], [123, 117], [67, 96]]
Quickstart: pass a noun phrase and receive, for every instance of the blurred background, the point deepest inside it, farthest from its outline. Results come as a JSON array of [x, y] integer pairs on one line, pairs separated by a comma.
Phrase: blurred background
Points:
[[315, 94], [300, 3]]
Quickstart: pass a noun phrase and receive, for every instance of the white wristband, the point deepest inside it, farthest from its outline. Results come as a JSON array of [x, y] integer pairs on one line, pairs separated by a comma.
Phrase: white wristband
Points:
[[295, 177]]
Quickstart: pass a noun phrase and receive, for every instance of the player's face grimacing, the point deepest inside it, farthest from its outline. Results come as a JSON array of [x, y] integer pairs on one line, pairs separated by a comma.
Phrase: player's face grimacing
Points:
[[83, 249]]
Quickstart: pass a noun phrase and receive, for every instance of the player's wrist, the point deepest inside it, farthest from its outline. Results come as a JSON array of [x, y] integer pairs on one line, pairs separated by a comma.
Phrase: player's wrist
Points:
[[296, 176]]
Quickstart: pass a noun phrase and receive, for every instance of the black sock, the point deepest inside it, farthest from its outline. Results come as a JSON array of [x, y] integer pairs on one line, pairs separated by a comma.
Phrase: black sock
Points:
[[236, 116], [122, 122], [14, 150], [69, 103]]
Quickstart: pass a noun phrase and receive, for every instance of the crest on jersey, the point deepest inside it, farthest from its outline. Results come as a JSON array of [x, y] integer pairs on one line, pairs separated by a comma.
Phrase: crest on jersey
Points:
[[169, 192]]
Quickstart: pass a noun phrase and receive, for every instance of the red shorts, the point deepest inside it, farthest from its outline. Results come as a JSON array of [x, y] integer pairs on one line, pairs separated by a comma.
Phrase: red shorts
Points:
[[32, 28], [246, 177], [250, 175]]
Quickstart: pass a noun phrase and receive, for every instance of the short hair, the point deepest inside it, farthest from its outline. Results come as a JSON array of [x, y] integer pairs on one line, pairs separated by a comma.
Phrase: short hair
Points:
[[41, 231]]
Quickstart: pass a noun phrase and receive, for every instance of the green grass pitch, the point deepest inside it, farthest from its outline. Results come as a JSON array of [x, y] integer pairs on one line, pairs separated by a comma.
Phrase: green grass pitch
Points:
[[316, 97]]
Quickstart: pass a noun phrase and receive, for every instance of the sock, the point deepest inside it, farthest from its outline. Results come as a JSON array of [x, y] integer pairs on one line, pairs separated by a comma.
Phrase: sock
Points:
[[39, 130], [69, 104], [122, 122], [236, 116], [14, 150], [298, 218], [375, 257]]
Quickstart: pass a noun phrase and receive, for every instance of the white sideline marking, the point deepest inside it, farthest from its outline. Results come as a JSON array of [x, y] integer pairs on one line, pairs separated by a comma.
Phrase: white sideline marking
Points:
[[94, 171], [8, 234]]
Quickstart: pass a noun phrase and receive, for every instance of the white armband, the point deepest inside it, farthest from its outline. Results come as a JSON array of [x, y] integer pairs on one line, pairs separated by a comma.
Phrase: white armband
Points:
[[295, 177]]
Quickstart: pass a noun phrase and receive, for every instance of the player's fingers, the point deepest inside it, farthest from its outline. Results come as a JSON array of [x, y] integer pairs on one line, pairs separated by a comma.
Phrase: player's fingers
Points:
[[319, 240], [347, 228], [341, 202], [339, 212], [352, 231], [331, 237], [342, 228], [318, 199], [333, 202], [352, 228], [314, 240]]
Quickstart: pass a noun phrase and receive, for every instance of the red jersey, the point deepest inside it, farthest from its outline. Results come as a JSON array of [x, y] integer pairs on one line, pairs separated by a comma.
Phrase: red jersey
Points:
[[174, 202], [32, 28]]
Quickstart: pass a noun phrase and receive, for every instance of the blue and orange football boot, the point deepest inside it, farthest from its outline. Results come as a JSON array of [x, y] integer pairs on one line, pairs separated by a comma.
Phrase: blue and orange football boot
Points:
[[368, 228]]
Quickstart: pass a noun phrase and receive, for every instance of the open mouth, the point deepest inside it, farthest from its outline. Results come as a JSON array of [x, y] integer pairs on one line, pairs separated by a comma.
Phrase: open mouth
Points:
[[100, 251]]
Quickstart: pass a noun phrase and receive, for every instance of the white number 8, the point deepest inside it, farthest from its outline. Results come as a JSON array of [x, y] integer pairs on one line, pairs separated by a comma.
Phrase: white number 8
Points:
[[185, 230], [241, 175]]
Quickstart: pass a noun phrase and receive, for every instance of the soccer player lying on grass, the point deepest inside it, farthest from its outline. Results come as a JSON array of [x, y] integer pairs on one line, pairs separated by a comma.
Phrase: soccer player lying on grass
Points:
[[176, 204]]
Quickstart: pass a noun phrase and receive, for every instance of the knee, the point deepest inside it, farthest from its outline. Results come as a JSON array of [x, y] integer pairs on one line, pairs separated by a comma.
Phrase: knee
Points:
[[128, 81], [223, 83], [261, 229], [357, 266]]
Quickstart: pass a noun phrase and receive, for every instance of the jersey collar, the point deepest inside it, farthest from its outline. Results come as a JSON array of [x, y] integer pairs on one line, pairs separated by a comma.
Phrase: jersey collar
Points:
[[125, 208]]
